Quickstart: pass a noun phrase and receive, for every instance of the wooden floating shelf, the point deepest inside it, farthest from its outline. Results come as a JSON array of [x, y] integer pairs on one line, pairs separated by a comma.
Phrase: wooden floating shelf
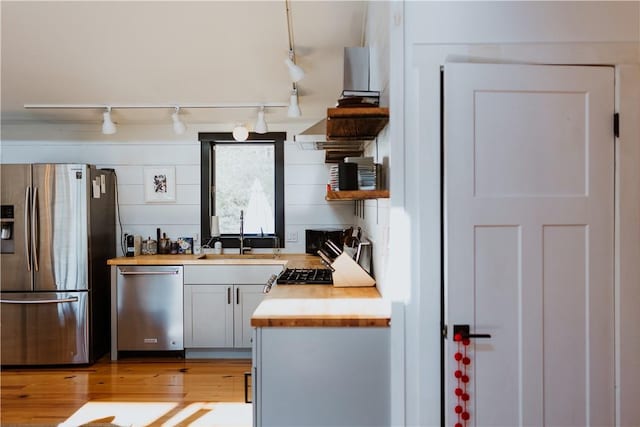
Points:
[[356, 123], [357, 195]]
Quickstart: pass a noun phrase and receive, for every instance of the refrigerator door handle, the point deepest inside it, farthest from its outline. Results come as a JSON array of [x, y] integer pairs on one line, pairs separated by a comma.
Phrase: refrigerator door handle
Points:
[[27, 225], [43, 301], [34, 228]]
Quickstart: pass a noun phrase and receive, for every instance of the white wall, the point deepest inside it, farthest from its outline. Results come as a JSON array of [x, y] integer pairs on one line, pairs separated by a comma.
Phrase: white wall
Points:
[[425, 34], [135, 147], [373, 215]]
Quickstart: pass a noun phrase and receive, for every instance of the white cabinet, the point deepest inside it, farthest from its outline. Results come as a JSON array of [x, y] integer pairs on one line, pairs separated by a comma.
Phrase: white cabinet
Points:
[[321, 376], [218, 314], [208, 316], [248, 297]]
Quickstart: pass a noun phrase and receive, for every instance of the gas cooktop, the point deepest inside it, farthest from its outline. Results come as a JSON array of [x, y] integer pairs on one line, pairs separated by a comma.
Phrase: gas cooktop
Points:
[[310, 276]]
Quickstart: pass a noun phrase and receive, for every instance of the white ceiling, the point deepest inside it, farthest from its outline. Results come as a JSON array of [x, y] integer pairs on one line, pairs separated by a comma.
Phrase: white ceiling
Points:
[[179, 52]]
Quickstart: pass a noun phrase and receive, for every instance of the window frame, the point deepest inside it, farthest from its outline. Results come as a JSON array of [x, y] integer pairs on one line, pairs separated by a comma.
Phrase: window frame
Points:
[[208, 140]]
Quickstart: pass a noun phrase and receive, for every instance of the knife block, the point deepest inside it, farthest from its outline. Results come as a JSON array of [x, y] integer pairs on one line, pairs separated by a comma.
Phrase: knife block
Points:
[[348, 273]]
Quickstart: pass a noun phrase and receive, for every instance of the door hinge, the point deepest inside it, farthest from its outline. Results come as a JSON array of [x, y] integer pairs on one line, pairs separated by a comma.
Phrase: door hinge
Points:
[[616, 125], [444, 331]]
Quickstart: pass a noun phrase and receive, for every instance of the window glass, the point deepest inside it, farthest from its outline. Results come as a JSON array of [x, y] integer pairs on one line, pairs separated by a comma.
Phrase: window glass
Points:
[[244, 177]]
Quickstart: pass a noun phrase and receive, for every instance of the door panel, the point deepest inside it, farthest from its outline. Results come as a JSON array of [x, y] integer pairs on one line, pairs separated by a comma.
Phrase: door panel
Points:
[[248, 297], [497, 279], [529, 242], [60, 198], [504, 158], [14, 266], [44, 328], [208, 316]]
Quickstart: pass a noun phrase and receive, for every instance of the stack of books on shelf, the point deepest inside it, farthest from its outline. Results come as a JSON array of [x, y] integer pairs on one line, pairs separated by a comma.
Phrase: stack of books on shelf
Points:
[[366, 172], [359, 98], [333, 178]]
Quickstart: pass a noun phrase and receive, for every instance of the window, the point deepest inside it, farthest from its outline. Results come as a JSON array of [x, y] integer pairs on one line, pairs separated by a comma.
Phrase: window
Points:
[[243, 176]]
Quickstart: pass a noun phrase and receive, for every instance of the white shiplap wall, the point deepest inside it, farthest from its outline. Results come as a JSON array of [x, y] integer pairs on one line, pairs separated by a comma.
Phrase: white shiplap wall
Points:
[[137, 147], [375, 220]]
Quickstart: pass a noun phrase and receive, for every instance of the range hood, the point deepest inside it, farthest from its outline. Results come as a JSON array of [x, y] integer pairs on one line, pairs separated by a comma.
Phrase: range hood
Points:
[[355, 77]]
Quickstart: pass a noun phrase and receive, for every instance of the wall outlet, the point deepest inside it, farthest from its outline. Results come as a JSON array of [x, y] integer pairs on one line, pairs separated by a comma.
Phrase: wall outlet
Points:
[[292, 236]]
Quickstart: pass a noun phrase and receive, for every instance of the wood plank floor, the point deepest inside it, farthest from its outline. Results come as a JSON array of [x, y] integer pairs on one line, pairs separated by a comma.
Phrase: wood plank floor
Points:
[[50, 396]]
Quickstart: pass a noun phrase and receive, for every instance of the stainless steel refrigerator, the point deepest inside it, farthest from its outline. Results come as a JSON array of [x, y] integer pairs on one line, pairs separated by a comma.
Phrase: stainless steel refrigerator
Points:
[[58, 230]]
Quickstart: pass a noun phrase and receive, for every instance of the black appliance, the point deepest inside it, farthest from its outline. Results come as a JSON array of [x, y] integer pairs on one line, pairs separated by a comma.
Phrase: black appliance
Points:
[[315, 239], [310, 276]]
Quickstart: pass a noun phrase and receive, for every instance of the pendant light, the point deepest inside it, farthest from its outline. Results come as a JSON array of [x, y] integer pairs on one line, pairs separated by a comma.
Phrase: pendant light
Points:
[[108, 127], [261, 124], [295, 71], [240, 133], [178, 126], [294, 108]]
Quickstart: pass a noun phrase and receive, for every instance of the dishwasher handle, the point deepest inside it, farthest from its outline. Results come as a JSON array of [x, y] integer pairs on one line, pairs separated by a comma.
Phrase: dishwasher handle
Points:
[[148, 273]]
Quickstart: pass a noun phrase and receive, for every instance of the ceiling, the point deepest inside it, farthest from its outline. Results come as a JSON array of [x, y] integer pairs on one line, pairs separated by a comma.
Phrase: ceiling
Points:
[[171, 53]]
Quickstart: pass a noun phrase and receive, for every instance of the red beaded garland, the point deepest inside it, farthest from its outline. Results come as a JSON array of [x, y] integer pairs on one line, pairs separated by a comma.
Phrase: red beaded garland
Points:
[[463, 379]]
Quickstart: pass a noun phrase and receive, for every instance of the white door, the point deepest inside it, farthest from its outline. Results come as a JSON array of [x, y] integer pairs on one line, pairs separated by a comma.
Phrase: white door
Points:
[[529, 204]]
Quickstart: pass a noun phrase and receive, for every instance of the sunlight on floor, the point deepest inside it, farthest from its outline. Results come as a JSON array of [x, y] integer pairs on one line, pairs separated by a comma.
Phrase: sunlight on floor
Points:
[[146, 413]]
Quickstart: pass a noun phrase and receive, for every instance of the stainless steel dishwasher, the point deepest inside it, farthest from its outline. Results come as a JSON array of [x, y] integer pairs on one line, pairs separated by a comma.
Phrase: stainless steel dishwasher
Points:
[[150, 307]]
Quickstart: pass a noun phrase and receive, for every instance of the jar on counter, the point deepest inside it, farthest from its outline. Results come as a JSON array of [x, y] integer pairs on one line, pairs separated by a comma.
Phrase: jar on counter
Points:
[[149, 247]]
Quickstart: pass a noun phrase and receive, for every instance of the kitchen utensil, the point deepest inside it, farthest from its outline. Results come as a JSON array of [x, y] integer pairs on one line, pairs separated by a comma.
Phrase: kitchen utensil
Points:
[[334, 248], [164, 246], [325, 260]]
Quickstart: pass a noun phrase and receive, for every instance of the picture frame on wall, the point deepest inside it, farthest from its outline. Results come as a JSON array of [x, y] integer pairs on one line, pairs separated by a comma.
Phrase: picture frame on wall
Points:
[[159, 184]]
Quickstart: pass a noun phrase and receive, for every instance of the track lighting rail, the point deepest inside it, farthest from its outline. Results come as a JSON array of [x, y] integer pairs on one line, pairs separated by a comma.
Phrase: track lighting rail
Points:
[[151, 106]]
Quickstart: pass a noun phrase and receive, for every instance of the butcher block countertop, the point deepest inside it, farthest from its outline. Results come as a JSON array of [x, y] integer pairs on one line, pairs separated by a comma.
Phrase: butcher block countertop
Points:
[[290, 260], [322, 306], [292, 305]]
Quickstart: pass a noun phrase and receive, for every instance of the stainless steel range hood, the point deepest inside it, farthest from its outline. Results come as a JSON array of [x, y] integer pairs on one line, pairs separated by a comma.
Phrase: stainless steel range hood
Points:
[[355, 77]]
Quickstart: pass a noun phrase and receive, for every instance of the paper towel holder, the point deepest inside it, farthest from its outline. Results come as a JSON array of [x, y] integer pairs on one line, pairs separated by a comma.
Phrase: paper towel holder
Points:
[[214, 225]]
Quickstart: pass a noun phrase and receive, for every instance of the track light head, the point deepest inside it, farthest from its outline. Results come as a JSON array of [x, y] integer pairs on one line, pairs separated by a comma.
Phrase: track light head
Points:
[[108, 127], [261, 124], [294, 108], [240, 133], [178, 126], [295, 71]]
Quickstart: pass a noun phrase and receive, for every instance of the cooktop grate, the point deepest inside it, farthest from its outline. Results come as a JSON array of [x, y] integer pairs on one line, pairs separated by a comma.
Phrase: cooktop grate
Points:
[[313, 276]]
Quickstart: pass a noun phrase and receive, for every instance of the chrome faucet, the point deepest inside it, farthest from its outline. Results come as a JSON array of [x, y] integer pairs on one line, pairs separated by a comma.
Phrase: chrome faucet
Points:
[[241, 238]]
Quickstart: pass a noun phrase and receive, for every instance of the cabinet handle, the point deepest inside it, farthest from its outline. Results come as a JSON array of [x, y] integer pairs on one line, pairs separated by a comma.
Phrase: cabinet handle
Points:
[[237, 295], [247, 379], [229, 295]]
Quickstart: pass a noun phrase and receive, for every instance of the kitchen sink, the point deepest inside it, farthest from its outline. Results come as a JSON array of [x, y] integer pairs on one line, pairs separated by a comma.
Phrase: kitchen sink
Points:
[[237, 256]]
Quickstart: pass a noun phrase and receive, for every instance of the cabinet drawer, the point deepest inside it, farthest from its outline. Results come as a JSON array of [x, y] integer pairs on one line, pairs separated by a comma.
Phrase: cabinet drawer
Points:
[[225, 274]]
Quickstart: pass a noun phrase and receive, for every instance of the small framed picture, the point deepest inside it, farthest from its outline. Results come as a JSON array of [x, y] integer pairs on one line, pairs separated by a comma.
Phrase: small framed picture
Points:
[[159, 184]]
